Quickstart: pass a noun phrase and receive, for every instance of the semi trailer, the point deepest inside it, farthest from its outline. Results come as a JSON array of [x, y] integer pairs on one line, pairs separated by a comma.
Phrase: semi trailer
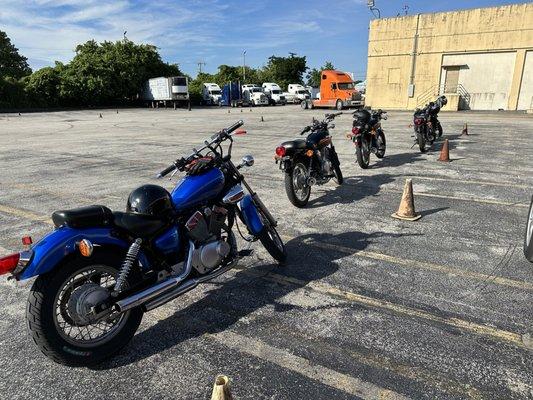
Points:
[[172, 90]]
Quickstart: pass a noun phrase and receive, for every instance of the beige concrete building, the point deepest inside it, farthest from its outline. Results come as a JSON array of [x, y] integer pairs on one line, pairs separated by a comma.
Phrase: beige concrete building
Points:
[[481, 59]]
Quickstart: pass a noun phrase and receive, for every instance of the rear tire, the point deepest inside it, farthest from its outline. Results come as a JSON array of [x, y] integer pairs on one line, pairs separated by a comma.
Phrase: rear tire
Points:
[[363, 154], [421, 141], [439, 130], [304, 105], [528, 236], [42, 315], [338, 105], [293, 185]]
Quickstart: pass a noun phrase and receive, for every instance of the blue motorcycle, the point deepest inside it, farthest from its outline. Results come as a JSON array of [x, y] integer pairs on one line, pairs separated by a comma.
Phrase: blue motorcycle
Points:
[[99, 270]]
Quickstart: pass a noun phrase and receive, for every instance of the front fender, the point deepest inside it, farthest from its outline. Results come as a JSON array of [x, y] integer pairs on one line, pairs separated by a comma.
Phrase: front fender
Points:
[[58, 244], [250, 215]]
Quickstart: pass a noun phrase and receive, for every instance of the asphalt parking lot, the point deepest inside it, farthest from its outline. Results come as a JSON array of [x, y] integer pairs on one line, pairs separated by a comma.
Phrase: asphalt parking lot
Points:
[[366, 307]]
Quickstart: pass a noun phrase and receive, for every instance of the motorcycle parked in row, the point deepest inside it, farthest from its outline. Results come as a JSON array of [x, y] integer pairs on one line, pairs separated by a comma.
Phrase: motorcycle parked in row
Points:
[[368, 136], [426, 124], [99, 271], [310, 161]]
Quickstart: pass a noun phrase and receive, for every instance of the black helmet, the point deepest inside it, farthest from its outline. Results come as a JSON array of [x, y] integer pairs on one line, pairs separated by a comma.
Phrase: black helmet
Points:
[[361, 115], [443, 100], [151, 200]]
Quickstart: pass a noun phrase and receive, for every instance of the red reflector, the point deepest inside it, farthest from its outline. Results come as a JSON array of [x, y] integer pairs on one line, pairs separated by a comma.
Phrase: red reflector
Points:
[[9, 263], [26, 240], [356, 130], [281, 151], [418, 121]]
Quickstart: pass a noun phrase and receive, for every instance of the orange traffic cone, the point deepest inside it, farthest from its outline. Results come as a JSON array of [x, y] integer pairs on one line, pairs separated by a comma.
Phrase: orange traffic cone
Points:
[[445, 152], [465, 130], [221, 389], [406, 211]]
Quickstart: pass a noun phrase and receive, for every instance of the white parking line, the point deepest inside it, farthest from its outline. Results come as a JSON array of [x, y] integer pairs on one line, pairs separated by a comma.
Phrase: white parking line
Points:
[[305, 367]]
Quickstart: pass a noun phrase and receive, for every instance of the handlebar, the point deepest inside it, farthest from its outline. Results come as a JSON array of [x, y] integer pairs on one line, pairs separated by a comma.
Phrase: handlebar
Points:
[[216, 139]]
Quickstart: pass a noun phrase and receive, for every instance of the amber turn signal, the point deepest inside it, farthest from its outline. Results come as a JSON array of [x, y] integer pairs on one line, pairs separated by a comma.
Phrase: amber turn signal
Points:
[[85, 247], [309, 153]]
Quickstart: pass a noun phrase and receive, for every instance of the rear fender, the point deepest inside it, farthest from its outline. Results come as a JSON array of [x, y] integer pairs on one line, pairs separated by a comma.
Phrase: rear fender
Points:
[[250, 216], [62, 242]]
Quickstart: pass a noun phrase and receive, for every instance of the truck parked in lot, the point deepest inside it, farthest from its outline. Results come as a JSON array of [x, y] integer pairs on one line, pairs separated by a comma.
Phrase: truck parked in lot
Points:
[[254, 95], [211, 94], [164, 90], [274, 93], [337, 90], [232, 95], [296, 93]]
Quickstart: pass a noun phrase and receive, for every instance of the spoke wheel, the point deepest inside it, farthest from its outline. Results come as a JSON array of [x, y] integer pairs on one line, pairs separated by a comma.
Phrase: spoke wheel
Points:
[[71, 324], [60, 316], [296, 186]]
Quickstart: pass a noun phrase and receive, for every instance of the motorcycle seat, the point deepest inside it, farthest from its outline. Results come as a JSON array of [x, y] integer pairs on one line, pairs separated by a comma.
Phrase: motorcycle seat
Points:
[[296, 144], [138, 225], [83, 217]]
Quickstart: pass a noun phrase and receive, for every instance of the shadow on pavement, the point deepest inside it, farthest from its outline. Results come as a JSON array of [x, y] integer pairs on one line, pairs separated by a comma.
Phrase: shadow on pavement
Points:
[[353, 189], [231, 300]]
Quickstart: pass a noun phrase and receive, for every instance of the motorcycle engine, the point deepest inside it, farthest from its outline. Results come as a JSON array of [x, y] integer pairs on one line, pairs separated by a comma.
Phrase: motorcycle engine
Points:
[[206, 230]]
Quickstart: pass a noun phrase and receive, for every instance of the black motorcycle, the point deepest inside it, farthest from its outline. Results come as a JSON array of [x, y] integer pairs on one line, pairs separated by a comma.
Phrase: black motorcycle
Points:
[[426, 124], [368, 136], [308, 162]]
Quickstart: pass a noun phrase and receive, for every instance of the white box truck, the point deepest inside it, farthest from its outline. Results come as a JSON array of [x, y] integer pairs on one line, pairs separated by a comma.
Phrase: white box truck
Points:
[[296, 93], [274, 93], [164, 90], [254, 95], [211, 94]]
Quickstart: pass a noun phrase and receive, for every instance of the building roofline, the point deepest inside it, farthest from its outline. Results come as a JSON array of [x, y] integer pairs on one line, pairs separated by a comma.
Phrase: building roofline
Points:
[[524, 3]]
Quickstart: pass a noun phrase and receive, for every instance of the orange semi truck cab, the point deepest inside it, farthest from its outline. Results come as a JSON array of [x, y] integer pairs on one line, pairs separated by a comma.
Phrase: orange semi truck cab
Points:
[[337, 90]]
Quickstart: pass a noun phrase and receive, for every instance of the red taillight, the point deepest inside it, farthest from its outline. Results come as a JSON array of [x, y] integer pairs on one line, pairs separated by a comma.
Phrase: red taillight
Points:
[[356, 130], [418, 121], [9, 263], [26, 240], [281, 151]]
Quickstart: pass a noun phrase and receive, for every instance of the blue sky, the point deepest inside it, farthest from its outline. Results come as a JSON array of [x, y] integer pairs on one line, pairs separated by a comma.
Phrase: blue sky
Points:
[[212, 31]]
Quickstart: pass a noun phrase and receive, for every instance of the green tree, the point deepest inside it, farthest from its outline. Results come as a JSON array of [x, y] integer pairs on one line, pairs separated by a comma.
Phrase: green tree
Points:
[[285, 70], [11, 62], [42, 86], [110, 72], [313, 76]]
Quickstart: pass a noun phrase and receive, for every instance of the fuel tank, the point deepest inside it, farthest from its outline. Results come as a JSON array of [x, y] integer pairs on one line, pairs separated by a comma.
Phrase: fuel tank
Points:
[[196, 189]]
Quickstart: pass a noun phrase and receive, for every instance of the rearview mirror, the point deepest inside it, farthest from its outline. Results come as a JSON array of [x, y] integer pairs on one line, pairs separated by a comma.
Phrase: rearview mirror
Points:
[[248, 161]]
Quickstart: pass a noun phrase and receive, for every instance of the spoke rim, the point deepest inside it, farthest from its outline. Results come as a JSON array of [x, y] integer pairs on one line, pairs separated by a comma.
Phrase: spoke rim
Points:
[[91, 334]]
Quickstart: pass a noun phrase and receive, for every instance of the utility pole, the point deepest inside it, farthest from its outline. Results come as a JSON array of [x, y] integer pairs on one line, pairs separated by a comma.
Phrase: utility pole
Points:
[[200, 63], [244, 66]]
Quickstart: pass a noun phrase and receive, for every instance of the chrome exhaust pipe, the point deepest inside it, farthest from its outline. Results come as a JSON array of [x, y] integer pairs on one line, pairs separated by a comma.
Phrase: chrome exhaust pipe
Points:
[[158, 289], [185, 287]]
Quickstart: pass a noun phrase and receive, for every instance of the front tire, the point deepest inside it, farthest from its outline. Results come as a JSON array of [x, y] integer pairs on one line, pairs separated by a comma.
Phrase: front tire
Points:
[[382, 145], [270, 239], [338, 105], [55, 329], [296, 186], [528, 236]]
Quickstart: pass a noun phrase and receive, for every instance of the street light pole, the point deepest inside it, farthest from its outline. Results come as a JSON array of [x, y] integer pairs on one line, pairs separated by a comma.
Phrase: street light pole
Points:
[[244, 66]]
